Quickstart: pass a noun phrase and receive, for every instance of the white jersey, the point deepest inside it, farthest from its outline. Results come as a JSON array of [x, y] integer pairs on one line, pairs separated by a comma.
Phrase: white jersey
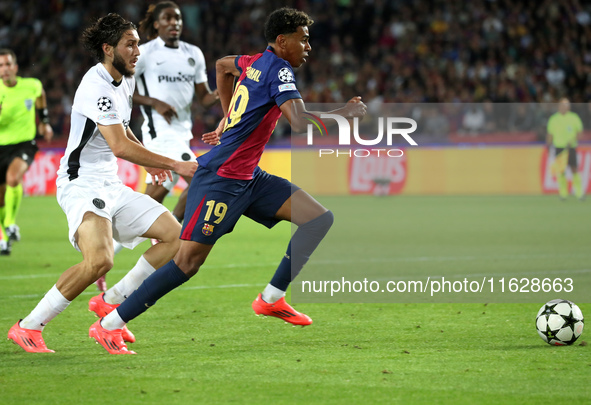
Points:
[[98, 100], [169, 75]]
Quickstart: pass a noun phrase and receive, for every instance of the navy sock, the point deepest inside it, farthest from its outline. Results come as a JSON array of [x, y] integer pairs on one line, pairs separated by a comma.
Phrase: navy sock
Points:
[[282, 276], [305, 240], [161, 282]]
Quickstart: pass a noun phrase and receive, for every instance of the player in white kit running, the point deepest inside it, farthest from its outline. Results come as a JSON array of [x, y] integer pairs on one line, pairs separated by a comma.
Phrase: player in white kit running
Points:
[[99, 208], [169, 74]]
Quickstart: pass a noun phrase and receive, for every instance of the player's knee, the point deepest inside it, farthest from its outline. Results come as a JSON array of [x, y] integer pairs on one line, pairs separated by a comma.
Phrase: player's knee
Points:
[[170, 230], [12, 180], [99, 266], [321, 223], [190, 265], [327, 219], [194, 266], [317, 228], [172, 236]]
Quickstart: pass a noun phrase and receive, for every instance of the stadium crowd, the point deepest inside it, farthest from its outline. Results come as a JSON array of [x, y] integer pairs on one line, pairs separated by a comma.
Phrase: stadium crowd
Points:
[[388, 51]]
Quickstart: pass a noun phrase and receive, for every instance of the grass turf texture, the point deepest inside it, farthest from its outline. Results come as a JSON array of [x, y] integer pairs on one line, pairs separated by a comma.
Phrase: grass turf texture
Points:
[[202, 344]]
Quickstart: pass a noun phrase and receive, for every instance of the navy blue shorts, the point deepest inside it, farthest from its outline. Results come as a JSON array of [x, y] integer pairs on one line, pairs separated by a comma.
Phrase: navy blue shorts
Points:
[[215, 203]]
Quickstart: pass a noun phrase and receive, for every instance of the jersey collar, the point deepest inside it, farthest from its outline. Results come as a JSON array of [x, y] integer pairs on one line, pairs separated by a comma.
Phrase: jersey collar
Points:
[[162, 44], [107, 76]]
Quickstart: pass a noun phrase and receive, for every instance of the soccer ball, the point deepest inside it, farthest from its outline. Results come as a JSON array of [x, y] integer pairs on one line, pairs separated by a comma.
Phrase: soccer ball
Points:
[[559, 322]]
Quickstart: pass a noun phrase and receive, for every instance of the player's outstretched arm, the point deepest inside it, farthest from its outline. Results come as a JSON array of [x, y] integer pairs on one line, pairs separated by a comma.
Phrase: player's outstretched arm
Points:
[[125, 148], [293, 110]]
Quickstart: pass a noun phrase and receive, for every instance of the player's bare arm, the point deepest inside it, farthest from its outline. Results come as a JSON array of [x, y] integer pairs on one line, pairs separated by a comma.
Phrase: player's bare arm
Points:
[[293, 110], [206, 97], [162, 108], [213, 137], [123, 147], [44, 128], [159, 176], [225, 72], [132, 136]]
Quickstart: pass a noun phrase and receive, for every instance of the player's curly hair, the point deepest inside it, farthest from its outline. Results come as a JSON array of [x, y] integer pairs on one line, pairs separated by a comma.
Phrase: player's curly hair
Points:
[[106, 30], [153, 13], [285, 20]]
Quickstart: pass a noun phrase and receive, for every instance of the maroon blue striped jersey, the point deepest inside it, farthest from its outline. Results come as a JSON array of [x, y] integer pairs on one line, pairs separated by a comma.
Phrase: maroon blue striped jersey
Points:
[[265, 83]]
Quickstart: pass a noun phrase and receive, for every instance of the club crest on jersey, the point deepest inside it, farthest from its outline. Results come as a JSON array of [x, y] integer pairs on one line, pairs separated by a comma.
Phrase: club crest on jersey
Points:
[[207, 229], [29, 104], [104, 104], [191, 62], [285, 75]]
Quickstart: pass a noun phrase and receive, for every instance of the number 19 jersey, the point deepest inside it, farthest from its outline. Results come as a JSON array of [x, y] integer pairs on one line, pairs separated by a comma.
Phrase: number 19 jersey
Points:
[[265, 83]]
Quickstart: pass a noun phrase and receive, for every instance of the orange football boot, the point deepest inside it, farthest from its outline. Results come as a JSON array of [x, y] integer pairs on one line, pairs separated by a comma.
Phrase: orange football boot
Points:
[[280, 309], [29, 339], [101, 309], [111, 340]]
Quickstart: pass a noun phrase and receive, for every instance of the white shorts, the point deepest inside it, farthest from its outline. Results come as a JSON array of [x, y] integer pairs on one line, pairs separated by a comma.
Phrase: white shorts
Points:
[[177, 149], [131, 213]]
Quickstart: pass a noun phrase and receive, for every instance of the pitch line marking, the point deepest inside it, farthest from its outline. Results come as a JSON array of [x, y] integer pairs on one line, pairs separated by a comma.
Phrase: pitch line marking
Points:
[[334, 262]]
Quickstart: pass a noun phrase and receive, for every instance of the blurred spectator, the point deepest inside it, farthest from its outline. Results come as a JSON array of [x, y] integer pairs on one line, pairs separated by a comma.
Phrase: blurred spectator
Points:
[[555, 75], [522, 117], [436, 124], [474, 120]]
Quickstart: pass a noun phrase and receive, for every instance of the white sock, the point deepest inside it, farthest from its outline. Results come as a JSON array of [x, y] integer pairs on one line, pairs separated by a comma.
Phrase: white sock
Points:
[[272, 294], [128, 284], [48, 308], [117, 247], [112, 321]]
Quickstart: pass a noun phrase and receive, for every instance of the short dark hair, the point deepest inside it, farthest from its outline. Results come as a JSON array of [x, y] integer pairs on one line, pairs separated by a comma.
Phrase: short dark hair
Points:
[[106, 30], [153, 13], [6, 51], [285, 20]]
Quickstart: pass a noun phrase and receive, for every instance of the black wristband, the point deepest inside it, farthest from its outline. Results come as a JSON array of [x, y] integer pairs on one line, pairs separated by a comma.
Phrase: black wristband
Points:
[[43, 115]]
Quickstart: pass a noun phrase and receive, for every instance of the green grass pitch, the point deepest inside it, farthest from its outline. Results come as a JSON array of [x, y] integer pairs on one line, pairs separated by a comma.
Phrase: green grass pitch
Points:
[[202, 344]]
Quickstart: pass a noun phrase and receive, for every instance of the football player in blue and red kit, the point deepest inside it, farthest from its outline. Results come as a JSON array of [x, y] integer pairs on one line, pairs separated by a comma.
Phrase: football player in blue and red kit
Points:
[[229, 183]]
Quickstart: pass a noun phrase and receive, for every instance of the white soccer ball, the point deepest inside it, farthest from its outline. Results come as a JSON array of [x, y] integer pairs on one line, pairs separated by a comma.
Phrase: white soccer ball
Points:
[[559, 322]]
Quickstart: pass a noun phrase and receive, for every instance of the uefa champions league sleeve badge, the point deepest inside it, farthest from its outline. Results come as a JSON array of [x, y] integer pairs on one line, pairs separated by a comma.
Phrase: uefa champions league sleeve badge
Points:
[[104, 104]]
